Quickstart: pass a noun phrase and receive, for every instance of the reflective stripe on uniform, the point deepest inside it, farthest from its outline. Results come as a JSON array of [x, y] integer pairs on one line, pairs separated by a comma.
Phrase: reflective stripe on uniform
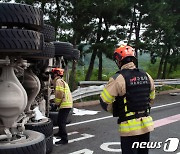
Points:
[[66, 104], [125, 107], [58, 100], [152, 95], [67, 99], [59, 88], [129, 113], [107, 97], [135, 124]]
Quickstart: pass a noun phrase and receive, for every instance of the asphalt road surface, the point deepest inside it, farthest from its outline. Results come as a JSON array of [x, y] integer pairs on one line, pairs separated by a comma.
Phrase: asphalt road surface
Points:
[[98, 134]]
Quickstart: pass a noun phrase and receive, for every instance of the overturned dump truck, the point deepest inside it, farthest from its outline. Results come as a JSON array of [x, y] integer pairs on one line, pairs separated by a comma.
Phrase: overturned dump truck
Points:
[[28, 52]]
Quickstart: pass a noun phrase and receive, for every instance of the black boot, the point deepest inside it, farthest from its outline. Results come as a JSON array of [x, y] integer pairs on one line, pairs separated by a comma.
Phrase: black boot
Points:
[[62, 142], [57, 135]]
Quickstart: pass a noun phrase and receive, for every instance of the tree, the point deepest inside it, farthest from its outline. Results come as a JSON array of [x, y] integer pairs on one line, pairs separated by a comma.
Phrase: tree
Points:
[[162, 33], [102, 24], [107, 23]]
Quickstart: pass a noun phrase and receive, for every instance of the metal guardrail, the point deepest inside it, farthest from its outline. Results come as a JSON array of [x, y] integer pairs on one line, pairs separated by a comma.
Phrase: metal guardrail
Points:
[[157, 82], [86, 91], [167, 82], [90, 88]]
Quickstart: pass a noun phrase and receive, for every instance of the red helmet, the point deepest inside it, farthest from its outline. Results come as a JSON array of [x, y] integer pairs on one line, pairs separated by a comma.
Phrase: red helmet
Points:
[[124, 51], [59, 71]]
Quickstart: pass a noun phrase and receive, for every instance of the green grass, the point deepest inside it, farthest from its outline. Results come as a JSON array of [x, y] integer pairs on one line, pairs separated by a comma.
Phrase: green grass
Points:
[[175, 74], [167, 87]]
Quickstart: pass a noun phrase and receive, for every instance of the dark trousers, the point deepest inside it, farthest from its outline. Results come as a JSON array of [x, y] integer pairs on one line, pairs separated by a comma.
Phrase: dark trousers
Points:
[[127, 142], [62, 118]]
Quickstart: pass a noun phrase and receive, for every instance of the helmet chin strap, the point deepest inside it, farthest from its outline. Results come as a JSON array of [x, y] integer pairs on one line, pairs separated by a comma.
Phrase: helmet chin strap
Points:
[[52, 76], [118, 63]]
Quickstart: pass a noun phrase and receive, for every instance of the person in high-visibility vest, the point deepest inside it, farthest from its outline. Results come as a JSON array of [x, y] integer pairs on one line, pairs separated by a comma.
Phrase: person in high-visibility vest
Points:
[[63, 99], [128, 95]]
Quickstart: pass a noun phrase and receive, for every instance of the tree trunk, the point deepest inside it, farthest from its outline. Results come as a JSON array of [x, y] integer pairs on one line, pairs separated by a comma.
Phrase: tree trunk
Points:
[[93, 57], [170, 70], [161, 65], [131, 25], [164, 69], [100, 66], [74, 64], [43, 3], [137, 31], [72, 77], [165, 64], [57, 18], [91, 65], [100, 70]]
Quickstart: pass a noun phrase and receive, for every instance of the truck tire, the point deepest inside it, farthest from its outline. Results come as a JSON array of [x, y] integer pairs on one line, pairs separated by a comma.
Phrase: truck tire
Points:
[[54, 116], [49, 144], [48, 52], [49, 33], [21, 15], [64, 49], [45, 128], [18, 42], [34, 143], [39, 65]]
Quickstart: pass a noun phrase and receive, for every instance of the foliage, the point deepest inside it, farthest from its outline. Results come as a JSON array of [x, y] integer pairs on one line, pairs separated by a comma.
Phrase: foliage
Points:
[[167, 87], [150, 26], [162, 35]]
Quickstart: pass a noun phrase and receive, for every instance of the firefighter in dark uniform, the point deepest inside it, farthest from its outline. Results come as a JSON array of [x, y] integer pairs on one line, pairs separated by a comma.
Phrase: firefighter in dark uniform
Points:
[[128, 95], [63, 99]]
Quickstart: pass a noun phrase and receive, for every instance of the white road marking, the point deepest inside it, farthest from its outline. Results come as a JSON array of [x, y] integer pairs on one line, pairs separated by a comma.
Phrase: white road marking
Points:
[[72, 133], [105, 147], [85, 136], [83, 151], [97, 119], [87, 121], [156, 107]]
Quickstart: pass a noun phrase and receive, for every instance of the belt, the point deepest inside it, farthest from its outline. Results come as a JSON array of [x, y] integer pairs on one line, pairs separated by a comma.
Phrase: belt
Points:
[[135, 116]]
